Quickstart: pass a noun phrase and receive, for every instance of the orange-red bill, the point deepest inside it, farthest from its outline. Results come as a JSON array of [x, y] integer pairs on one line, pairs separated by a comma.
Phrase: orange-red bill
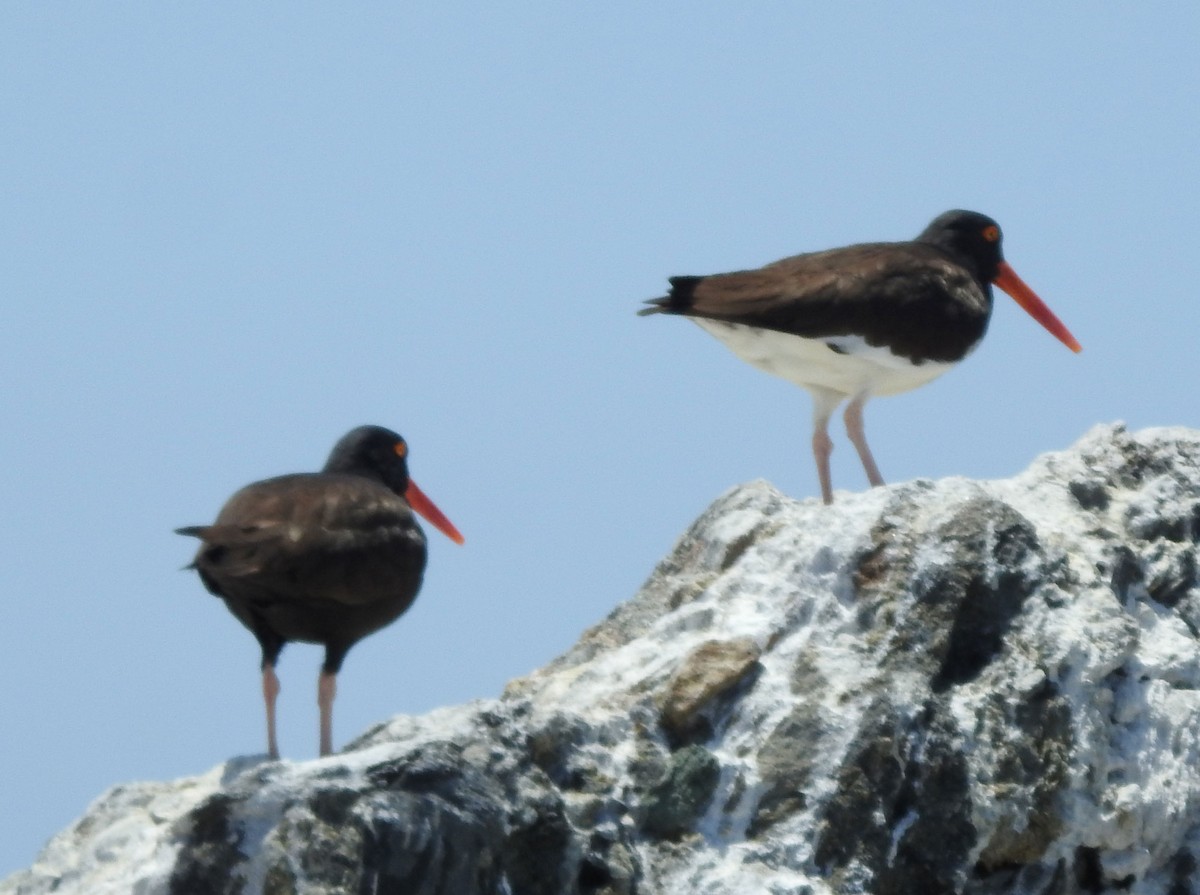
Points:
[[1007, 279], [418, 501]]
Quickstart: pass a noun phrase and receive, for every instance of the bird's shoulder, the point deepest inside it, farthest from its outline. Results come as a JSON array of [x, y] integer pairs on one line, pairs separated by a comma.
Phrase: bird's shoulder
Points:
[[328, 501], [305, 518], [834, 275]]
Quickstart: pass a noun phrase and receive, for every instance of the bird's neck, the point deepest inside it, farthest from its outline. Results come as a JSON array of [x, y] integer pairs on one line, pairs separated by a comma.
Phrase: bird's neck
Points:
[[362, 470]]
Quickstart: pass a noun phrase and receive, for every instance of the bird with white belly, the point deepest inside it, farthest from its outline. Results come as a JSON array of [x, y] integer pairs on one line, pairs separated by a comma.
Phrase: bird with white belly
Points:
[[865, 320]]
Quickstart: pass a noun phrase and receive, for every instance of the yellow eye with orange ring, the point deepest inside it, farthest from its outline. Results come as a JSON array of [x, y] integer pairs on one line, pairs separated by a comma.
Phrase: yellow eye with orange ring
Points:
[[991, 233], [401, 449]]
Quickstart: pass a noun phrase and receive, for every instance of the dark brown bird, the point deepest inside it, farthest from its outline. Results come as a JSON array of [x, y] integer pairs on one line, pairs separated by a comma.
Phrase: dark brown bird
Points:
[[864, 320], [326, 557]]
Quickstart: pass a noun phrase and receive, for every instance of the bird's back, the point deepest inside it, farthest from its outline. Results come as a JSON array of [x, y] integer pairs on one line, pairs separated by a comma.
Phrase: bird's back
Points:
[[321, 557], [911, 298]]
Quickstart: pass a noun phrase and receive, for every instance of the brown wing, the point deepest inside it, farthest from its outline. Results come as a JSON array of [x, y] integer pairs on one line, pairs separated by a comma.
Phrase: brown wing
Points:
[[875, 290], [316, 539]]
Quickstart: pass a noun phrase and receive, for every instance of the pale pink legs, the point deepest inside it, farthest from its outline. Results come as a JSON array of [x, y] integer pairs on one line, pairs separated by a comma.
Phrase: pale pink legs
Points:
[[270, 688], [824, 402], [326, 691], [858, 437]]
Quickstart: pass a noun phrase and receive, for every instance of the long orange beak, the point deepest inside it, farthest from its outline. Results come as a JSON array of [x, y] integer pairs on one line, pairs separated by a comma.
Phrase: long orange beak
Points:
[[1007, 279], [418, 501]]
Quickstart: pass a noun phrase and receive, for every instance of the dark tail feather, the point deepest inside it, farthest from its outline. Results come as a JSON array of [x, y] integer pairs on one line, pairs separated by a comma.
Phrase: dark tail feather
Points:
[[195, 531], [677, 301], [657, 306]]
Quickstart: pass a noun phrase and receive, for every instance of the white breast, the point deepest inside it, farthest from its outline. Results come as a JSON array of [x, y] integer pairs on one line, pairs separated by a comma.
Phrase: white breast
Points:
[[853, 369]]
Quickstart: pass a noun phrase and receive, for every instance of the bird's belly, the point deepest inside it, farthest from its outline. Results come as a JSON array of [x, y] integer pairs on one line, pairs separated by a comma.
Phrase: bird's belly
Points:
[[854, 368], [325, 622]]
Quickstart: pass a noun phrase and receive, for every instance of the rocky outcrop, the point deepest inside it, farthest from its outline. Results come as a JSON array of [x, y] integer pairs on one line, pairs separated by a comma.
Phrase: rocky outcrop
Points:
[[934, 687]]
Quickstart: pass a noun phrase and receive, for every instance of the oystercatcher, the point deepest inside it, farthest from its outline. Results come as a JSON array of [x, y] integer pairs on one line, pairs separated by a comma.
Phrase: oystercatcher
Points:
[[326, 557], [864, 320]]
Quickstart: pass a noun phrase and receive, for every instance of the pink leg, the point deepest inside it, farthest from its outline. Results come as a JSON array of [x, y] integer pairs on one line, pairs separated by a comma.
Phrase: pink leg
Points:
[[270, 688], [858, 437], [822, 445], [326, 691]]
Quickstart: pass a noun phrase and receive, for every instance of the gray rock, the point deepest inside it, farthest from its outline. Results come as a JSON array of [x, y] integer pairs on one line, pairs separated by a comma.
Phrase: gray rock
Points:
[[672, 806], [950, 687]]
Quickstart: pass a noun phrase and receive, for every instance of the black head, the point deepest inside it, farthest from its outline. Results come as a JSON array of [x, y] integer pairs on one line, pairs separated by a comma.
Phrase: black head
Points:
[[373, 452], [972, 237]]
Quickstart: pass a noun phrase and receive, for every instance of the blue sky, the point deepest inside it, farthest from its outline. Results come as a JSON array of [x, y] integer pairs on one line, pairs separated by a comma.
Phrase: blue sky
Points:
[[230, 234]]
